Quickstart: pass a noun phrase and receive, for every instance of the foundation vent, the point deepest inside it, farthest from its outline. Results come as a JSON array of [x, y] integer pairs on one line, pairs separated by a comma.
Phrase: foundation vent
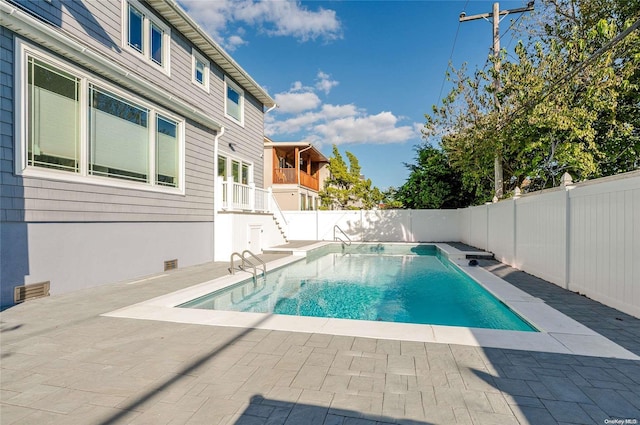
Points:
[[29, 292], [170, 264]]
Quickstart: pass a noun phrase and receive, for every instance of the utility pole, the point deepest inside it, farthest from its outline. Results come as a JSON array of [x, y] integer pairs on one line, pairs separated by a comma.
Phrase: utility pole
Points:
[[495, 18]]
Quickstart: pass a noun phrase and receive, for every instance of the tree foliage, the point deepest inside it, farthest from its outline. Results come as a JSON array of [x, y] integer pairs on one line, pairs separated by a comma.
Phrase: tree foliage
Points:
[[568, 102], [345, 188], [433, 183]]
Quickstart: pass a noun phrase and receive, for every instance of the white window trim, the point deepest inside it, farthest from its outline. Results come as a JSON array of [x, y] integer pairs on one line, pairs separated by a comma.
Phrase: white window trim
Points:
[[229, 165], [196, 56], [148, 18], [22, 51], [234, 86]]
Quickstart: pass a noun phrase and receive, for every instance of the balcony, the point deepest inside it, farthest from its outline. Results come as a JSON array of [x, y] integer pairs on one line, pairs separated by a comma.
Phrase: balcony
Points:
[[290, 176]]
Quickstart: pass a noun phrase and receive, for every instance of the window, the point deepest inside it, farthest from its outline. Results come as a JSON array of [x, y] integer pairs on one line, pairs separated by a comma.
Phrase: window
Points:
[[244, 176], [200, 72], [222, 166], [146, 34], [167, 151], [136, 32], [234, 102], [235, 169], [82, 129], [119, 137], [53, 130]]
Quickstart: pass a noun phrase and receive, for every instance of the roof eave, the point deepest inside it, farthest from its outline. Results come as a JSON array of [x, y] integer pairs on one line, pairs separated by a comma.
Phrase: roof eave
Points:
[[179, 18]]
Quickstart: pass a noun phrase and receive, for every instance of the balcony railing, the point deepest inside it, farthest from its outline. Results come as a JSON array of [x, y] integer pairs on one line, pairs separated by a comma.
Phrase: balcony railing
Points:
[[290, 176], [244, 197]]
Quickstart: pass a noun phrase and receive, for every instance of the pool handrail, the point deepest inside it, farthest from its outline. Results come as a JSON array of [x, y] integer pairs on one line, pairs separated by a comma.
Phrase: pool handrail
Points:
[[246, 261], [338, 238]]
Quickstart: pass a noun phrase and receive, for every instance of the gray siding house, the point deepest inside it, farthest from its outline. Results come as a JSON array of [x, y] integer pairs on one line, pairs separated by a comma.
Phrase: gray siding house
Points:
[[119, 120]]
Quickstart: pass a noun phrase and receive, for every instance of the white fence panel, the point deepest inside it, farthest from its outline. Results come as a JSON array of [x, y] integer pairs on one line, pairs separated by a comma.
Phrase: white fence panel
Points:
[[541, 235], [464, 219], [605, 243], [349, 221], [501, 235], [435, 225], [387, 226], [478, 226], [376, 225], [301, 225]]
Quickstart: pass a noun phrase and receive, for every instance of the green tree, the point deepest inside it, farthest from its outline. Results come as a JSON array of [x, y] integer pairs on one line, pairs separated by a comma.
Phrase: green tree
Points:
[[568, 101], [433, 183], [390, 199], [345, 188]]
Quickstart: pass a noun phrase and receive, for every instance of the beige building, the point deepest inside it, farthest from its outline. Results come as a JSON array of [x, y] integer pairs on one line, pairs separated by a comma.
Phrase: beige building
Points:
[[295, 171]]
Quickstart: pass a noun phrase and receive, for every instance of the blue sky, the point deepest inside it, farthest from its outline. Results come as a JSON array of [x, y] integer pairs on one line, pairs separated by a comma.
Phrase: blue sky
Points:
[[359, 74]]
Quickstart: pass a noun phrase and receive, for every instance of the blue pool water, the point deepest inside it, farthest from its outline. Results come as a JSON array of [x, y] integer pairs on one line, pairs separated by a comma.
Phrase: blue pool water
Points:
[[390, 283]]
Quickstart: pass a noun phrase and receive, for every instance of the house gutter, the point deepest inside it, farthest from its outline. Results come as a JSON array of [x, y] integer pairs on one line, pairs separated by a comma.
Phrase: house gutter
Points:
[[275, 105]]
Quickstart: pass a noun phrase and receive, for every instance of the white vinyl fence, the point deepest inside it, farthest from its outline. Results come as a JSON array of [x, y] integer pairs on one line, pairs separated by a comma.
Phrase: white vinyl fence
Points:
[[375, 225], [584, 237]]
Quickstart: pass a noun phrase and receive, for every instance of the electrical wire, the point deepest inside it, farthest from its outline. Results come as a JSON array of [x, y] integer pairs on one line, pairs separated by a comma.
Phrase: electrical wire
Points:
[[572, 73], [453, 47]]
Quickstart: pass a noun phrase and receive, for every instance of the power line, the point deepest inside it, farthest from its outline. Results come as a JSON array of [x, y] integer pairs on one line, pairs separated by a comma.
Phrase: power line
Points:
[[453, 47], [580, 67]]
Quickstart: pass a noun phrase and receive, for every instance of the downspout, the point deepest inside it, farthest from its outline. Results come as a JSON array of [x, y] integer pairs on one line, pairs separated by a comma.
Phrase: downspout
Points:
[[216, 142]]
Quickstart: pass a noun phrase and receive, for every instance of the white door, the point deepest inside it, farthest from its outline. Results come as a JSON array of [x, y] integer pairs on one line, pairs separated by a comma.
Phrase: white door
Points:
[[255, 238]]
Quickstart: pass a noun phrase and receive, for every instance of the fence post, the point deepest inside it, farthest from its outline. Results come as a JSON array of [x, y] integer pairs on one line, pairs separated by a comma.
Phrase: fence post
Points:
[[252, 197], [567, 183]]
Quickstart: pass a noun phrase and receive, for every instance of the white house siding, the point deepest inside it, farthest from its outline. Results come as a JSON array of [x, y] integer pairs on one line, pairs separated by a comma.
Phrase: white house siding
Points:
[[78, 235]]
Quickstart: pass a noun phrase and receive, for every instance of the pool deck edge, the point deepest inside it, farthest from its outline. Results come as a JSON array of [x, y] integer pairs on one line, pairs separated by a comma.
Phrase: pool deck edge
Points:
[[558, 332]]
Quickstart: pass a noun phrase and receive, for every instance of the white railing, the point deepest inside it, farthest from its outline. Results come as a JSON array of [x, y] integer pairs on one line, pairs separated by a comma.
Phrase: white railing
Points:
[[274, 208], [261, 199], [244, 197]]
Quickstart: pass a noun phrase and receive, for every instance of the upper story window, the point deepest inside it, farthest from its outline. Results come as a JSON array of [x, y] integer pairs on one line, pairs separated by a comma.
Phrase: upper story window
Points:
[[146, 34], [234, 102], [199, 70], [73, 126]]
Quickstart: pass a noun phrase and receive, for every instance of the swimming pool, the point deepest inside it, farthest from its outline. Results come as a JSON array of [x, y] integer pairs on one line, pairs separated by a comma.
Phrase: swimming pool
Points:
[[375, 282]]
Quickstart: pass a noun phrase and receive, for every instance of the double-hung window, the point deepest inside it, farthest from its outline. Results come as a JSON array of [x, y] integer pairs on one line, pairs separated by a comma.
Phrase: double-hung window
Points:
[[233, 102], [199, 70], [73, 126], [146, 34], [53, 117]]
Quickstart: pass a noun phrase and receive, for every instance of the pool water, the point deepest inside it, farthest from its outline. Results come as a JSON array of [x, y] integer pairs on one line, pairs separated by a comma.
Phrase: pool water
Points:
[[388, 283]]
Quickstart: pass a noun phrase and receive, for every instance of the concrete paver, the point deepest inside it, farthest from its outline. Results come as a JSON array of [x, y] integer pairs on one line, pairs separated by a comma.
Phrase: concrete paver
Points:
[[61, 362]]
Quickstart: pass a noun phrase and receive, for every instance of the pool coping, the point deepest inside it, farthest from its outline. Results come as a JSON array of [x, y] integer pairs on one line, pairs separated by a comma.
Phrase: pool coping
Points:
[[558, 332]]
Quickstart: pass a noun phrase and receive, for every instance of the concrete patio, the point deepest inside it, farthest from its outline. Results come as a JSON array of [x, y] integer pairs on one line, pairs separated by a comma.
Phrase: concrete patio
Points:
[[64, 363]]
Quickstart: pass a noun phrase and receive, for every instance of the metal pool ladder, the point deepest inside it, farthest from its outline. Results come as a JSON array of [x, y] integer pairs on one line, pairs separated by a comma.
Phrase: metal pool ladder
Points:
[[336, 237], [247, 262]]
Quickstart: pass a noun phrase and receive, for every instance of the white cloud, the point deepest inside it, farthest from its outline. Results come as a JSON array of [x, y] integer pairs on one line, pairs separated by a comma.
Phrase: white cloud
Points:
[[301, 114], [342, 124], [324, 82], [380, 128], [296, 102], [276, 18]]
